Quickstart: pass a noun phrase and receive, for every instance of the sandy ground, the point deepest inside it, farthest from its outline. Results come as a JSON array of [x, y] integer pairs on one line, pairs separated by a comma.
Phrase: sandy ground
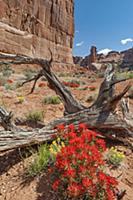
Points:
[[14, 183]]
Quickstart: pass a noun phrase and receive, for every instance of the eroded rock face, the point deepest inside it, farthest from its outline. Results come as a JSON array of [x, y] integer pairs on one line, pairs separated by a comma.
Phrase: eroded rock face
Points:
[[31, 27], [93, 55], [124, 60]]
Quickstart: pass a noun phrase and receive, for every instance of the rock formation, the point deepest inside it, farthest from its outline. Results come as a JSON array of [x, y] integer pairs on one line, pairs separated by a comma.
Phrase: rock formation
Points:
[[31, 27], [93, 55], [123, 59], [88, 60]]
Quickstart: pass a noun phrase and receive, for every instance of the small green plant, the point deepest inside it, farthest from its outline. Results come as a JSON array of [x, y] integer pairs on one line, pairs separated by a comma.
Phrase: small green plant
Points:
[[29, 73], [51, 100], [41, 160], [9, 87], [6, 70], [115, 157], [3, 80], [35, 116]]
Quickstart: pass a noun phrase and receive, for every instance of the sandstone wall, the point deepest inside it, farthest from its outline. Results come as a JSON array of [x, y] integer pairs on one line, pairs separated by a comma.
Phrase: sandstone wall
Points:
[[31, 27]]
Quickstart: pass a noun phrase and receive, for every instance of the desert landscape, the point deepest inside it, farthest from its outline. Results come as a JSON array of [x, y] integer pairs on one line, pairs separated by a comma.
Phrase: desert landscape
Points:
[[52, 101]]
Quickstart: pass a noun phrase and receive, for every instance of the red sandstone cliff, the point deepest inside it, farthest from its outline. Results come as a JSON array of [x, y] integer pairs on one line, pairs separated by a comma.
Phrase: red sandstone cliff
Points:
[[30, 27]]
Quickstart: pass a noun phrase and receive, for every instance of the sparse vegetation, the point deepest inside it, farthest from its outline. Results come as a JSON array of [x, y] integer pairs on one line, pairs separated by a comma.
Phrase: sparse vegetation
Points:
[[115, 157], [9, 86], [51, 100], [126, 75], [29, 73], [35, 116], [6, 70], [41, 159]]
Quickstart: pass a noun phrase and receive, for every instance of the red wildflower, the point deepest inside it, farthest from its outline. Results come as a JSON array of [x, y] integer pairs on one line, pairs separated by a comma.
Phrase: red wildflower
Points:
[[81, 160], [10, 81], [60, 127], [70, 173], [74, 189], [71, 127], [86, 182], [111, 181], [71, 135], [102, 177], [101, 144], [61, 164], [56, 184], [82, 168], [110, 194], [82, 126]]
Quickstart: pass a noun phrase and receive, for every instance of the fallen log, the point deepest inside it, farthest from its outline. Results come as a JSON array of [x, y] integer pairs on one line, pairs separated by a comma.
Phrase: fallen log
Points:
[[112, 128], [100, 116]]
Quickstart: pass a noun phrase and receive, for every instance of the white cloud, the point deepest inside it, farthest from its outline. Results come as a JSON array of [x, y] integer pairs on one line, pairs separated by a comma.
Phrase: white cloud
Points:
[[125, 41], [77, 31], [104, 51], [79, 44]]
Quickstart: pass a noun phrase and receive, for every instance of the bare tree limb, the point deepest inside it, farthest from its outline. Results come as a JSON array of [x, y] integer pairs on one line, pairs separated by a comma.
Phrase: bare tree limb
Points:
[[70, 103], [100, 116]]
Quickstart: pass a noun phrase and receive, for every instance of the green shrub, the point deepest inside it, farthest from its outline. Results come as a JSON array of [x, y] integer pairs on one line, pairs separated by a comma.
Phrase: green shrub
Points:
[[35, 116], [115, 157], [29, 73], [40, 161], [9, 87], [6, 70], [51, 100], [126, 75]]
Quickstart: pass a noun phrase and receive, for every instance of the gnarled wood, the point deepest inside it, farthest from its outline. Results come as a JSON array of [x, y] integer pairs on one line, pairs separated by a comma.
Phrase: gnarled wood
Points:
[[100, 116], [6, 120], [70, 103]]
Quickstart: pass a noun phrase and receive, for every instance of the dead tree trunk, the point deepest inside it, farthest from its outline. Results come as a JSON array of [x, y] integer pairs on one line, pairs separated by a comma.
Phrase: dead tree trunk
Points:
[[100, 116]]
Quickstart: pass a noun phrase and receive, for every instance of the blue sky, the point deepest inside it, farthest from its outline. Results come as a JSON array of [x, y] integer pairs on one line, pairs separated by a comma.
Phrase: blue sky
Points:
[[108, 24]]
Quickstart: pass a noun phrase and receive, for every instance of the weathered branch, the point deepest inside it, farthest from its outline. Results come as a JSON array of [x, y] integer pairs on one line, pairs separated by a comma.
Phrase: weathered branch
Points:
[[70, 103], [6, 120], [96, 120], [100, 116], [115, 99], [35, 79], [106, 90]]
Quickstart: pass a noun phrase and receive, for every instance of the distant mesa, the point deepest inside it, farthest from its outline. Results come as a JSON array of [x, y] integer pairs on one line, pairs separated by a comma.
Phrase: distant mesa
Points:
[[95, 61]]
